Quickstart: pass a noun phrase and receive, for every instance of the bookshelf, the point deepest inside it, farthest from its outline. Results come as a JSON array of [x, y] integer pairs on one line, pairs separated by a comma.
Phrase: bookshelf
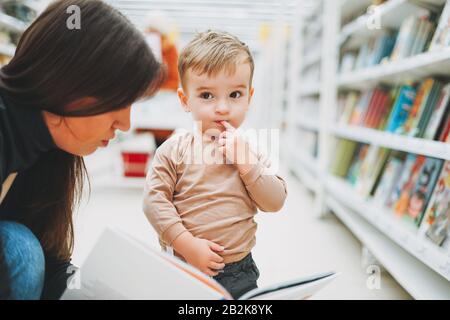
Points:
[[419, 265], [7, 49], [12, 23], [303, 102]]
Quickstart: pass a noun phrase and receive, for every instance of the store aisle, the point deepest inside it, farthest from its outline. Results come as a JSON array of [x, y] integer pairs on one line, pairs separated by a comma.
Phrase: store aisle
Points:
[[290, 243]]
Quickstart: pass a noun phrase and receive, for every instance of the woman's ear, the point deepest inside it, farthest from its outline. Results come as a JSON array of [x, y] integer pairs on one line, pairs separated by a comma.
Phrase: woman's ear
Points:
[[51, 119], [183, 100]]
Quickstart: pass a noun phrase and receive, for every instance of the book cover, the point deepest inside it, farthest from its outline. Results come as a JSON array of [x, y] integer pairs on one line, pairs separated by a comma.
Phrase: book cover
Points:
[[361, 107], [439, 232], [404, 176], [403, 41], [390, 176], [368, 117], [370, 170], [343, 157], [444, 132], [438, 206], [424, 117], [381, 111], [408, 181], [356, 162], [349, 105], [418, 106], [442, 33], [441, 109], [424, 187]]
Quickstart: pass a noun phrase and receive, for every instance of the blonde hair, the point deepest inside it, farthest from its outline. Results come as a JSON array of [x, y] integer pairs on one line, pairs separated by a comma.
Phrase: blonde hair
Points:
[[213, 51]]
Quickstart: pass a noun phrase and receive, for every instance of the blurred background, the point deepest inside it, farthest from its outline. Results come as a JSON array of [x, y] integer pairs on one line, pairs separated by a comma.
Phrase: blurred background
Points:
[[358, 92]]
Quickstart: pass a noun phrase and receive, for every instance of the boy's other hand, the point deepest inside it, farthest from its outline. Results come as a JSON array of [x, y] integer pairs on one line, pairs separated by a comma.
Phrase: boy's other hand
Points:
[[203, 254]]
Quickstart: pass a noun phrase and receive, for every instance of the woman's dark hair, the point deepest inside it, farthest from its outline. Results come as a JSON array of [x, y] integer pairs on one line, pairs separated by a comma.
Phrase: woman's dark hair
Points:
[[108, 59]]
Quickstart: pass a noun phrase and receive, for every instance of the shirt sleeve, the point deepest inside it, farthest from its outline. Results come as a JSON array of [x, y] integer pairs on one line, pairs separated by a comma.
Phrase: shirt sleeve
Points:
[[267, 190], [158, 194]]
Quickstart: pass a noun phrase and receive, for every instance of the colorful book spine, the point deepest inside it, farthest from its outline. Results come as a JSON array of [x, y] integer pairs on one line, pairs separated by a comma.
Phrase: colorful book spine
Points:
[[401, 108]]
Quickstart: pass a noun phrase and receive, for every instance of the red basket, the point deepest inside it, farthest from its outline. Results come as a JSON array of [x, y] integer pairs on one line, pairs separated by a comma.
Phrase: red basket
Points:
[[135, 163]]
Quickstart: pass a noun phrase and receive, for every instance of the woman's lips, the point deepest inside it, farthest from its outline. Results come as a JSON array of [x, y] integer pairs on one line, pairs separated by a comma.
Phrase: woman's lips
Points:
[[105, 143]]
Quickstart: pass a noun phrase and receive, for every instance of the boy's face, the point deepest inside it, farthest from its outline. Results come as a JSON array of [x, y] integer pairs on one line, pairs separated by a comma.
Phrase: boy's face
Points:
[[223, 97]]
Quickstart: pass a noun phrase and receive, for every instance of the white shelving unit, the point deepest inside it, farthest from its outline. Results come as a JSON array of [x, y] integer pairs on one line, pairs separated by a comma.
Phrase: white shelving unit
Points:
[[7, 49], [12, 23], [420, 266], [16, 25], [389, 140], [300, 122]]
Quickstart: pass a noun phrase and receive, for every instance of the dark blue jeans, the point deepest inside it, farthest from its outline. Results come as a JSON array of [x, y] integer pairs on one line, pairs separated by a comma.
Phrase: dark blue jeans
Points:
[[239, 277], [22, 263]]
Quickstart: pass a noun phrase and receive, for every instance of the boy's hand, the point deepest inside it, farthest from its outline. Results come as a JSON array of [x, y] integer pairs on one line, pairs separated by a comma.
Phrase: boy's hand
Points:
[[200, 253], [236, 149]]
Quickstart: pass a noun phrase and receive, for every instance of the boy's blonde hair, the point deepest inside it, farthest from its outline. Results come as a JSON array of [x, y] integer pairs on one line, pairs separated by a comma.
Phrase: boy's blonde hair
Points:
[[213, 51]]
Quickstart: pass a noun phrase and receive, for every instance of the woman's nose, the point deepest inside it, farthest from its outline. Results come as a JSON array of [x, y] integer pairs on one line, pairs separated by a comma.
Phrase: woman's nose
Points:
[[122, 119]]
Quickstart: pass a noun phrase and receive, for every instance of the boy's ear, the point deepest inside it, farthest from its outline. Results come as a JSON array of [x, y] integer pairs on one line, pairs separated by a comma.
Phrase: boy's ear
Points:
[[183, 99], [250, 94]]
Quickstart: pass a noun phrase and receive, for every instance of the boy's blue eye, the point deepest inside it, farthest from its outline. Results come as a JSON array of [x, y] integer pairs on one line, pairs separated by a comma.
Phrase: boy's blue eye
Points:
[[206, 95], [235, 94]]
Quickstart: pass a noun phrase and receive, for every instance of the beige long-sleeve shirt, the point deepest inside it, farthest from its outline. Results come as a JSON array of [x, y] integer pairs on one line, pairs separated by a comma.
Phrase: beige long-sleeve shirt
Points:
[[211, 201]]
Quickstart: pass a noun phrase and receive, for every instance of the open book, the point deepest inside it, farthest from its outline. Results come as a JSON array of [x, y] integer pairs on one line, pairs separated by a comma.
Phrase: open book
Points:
[[122, 267]]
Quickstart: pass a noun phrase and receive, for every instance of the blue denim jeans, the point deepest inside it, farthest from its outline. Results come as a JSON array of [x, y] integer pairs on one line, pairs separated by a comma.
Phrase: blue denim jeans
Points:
[[22, 263]]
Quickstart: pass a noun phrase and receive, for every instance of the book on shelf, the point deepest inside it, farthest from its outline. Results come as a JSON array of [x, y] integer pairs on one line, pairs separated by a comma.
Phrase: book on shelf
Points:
[[405, 38], [444, 134], [422, 190], [420, 123], [370, 170], [390, 175], [436, 221], [358, 157], [382, 48], [401, 109], [121, 267], [401, 204], [441, 37], [342, 157], [377, 110], [438, 113], [405, 175]]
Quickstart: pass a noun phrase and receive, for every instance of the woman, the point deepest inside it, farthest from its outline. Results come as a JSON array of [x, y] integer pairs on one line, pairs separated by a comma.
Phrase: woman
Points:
[[63, 95]]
